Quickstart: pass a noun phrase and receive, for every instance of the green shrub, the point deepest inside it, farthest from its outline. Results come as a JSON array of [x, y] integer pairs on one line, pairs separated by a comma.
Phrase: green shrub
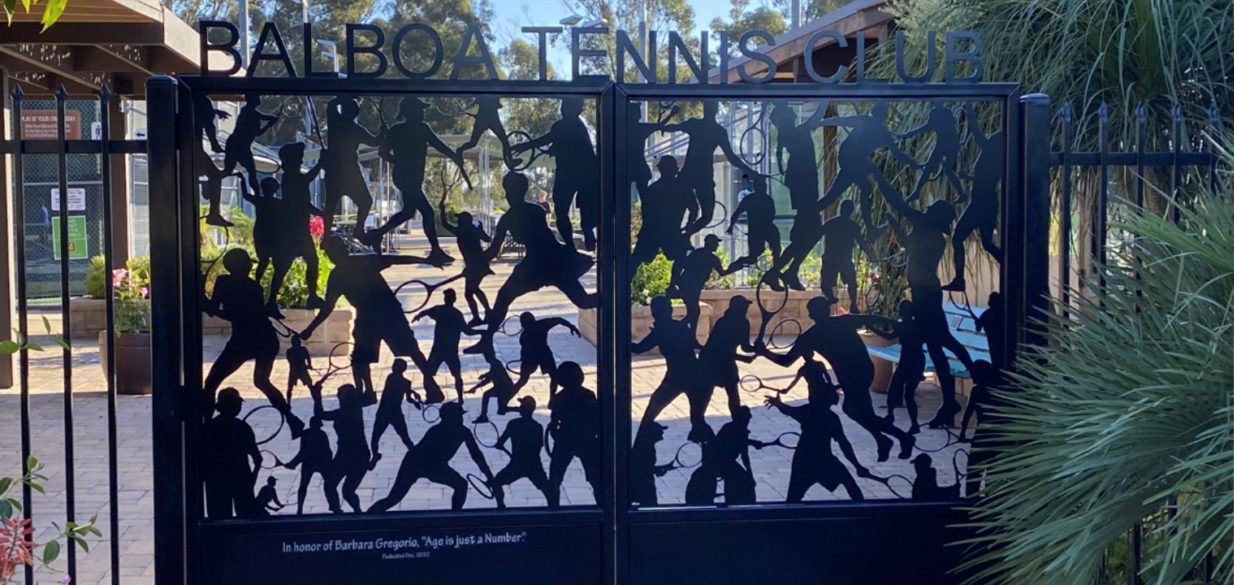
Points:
[[96, 287], [650, 280]]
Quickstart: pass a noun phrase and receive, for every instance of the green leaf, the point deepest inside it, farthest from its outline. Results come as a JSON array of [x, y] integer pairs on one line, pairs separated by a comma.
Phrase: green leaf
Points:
[[5, 484], [46, 325], [9, 7], [9, 346], [52, 12], [6, 510], [26, 4], [61, 342], [51, 550], [32, 346]]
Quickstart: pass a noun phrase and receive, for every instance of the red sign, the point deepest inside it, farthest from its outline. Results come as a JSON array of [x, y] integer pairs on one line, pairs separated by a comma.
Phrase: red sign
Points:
[[41, 125]]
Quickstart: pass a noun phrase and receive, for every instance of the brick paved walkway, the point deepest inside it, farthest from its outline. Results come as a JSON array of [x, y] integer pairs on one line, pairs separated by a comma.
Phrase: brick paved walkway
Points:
[[136, 540]]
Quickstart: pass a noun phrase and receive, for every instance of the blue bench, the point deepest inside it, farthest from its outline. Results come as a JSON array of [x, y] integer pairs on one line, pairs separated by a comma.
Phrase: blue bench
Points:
[[963, 327]]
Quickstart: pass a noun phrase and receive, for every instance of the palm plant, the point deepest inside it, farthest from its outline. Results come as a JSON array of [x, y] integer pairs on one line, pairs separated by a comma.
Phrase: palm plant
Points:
[[1125, 418]]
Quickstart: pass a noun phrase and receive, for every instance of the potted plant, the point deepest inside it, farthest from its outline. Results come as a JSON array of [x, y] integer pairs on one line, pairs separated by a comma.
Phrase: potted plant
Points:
[[131, 302]]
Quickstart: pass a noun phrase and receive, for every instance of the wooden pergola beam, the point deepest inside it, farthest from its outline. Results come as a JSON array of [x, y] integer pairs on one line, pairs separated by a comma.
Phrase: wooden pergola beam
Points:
[[97, 59]]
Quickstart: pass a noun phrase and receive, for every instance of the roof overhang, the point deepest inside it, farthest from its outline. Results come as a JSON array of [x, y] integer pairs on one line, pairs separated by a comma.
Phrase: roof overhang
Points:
[[96, 42]]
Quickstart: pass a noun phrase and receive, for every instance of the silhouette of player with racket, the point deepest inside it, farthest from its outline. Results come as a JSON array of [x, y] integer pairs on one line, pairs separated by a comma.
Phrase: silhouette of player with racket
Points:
[[761, 231], [698, 170], [299, 363], [682, 372], [664, 203], [717, 362], [690, 275], [449, 326], [502, 387], [946, 151], [814, 462], [470, 239], [204, 114], [390, 409], [487, 117], [230, 446], [526, 438], [727, 458], [535, 353], [801, 178], [981, 213], [910, 370], [840, 234], [643, 469], [577, 172], [293, 239], [250, 124], [268, 497], [352, 459], [240, 301], [430, 459], [341, 161], [316, 457]]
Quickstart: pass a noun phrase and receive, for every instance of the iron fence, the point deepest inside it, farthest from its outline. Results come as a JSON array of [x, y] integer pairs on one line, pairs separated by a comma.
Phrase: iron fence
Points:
[[44, 167], [1093, 186]]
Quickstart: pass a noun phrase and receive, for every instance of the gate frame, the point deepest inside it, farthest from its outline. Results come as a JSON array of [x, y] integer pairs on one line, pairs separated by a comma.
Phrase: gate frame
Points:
[[176, 320]]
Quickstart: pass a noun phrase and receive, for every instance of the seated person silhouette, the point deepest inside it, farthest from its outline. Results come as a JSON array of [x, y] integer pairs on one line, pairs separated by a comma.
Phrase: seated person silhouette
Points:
[[577, 171], [726, 458], [268, 497], [487, 117], [299, 364], [690, 275], [664, 204], [497, 376], [379, 313], [910, 370], [293, 239], [643, 468], [546, 262], [813, 461], [526, 438], [230, 461], [448, 327], [835, 338], [351, 460], [761, 231], [430, 459], [470, 239], [925, 484], [840, 234], [682, 372], [240, 301], [574, 423], [534, 351], [316, 457], [717, 362], [390, 408]]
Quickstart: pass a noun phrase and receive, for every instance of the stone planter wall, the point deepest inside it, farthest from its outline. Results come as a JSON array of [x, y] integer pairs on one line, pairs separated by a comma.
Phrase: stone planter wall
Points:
[[335, 330], [640, 323], [794, 308], [87, 317]]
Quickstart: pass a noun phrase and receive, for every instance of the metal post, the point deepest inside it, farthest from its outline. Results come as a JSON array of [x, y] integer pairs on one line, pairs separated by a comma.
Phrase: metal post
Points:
[[169, 521], [66, 354], [1032, 288], [23, 330]]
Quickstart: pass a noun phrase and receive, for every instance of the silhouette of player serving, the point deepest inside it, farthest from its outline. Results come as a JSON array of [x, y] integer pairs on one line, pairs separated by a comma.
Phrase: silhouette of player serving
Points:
[[946, 151], [664, 204], [449, 326], [315, 456], [835, 338], [691, 274], [574, 424], [577, 172], [727, 458], [405, 147], [351, 461], [926, 245], [250, 123], [698, 171], [379, 314], [682, 372], [534, 351], [341, 160], [546, 263], [761, 231], [526, 438], [801, 178], [487, 117], [840, 234], [390, 408], [981, 213], [813, 461], [470, 239], [229, 447], [430, 459], [240, 301]]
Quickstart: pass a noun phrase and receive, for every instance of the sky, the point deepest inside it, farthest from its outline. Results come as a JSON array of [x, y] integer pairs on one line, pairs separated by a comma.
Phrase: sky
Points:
[[512, 15]]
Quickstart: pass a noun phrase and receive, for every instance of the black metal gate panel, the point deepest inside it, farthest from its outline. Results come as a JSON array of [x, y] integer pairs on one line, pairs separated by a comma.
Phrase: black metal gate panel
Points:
[[524, 388]]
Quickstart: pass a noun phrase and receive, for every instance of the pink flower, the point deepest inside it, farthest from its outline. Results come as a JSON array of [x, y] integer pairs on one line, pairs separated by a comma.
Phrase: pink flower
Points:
[[145, 292], [317, 227], [66, 580], [117, 277]]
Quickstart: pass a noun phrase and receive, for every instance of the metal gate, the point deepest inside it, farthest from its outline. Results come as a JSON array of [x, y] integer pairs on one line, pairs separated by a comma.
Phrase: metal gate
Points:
[[542, 475]]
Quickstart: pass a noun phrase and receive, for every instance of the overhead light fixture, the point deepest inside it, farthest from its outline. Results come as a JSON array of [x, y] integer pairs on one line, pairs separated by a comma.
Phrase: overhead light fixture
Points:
[[571, 20]]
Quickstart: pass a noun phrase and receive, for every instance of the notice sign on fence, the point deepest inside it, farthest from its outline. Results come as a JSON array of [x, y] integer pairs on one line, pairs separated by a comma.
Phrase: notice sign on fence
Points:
[[41, 125], [77, 238], [77, 199]]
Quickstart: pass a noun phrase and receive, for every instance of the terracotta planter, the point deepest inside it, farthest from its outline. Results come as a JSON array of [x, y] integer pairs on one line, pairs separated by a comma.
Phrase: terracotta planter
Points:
[[133, 375], [882, 368]]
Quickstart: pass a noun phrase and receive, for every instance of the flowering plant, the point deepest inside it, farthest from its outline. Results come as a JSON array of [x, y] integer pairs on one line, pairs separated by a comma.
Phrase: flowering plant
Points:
[[17, 545], [132, 301]]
